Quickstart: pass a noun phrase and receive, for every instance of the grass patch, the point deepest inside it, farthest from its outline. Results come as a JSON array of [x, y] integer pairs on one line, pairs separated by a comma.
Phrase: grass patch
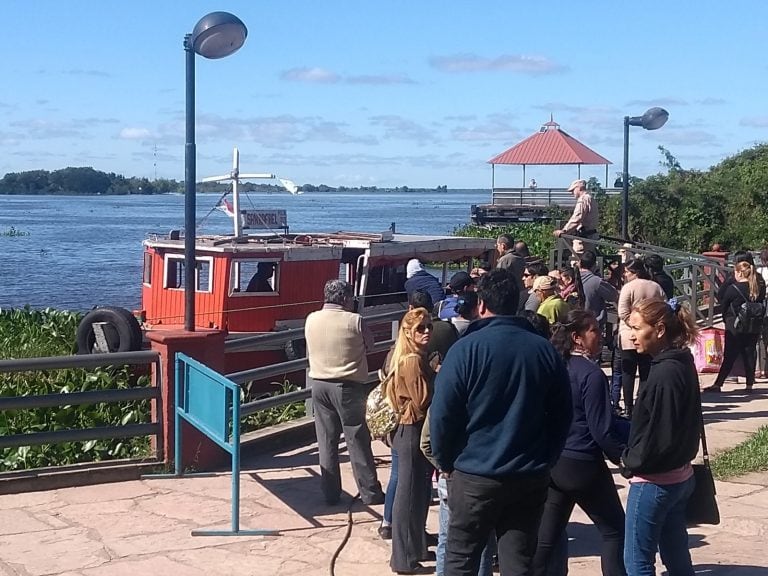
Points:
[[749, 456]]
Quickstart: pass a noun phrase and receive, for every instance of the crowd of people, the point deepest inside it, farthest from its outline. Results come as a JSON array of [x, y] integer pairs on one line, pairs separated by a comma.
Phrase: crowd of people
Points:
[[500, 397]]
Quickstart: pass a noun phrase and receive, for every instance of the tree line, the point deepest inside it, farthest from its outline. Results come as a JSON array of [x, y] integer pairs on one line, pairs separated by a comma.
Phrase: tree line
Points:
[[692, 210], [89, 182]]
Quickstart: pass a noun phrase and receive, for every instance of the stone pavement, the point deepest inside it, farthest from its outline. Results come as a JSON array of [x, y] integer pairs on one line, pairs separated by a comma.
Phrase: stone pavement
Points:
[[143, 527]]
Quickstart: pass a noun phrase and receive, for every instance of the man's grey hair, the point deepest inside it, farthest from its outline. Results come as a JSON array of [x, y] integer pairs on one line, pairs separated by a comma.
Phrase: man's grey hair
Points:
[[337, 292], [504, 240]]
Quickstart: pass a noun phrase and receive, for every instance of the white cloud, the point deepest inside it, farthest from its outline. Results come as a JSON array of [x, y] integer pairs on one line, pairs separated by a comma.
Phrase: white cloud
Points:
[[380, 80], [135, 134], [312, 75], [663, 101], [515, 63], [711, 101], [754, 121], [397, 127]]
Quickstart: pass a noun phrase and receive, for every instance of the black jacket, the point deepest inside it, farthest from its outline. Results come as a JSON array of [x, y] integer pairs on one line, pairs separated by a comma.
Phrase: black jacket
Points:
[[666, 282], [730, 301], [666, 421], [732, 295]]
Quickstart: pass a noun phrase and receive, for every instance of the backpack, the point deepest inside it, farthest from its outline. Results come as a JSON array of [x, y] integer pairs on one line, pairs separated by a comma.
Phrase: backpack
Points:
[[380, 415], [749, 316]]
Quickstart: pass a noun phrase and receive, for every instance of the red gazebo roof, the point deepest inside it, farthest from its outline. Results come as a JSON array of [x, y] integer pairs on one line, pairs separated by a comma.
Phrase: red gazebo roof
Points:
[[550, 145]]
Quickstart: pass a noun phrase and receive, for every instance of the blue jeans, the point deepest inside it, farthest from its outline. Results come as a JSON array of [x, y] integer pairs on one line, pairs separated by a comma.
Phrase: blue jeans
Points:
[[389, 497], [615, 376], [656, 521], [486, 560]]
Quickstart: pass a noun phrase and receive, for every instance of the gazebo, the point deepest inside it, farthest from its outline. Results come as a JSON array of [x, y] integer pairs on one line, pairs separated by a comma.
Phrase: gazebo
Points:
[[549, 146]]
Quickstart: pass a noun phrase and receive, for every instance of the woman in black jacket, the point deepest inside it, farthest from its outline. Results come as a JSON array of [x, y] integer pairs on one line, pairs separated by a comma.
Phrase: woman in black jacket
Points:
[[744, 287], [664, 438], [581, 475]]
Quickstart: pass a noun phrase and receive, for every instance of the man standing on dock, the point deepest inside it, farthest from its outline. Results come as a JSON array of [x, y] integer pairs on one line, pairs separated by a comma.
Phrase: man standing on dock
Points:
[[337, 343], [584, 220]]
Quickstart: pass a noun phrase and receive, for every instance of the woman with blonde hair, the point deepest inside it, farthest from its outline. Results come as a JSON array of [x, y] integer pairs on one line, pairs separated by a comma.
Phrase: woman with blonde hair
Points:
[[744, 288], [664, 438], [409, 392]]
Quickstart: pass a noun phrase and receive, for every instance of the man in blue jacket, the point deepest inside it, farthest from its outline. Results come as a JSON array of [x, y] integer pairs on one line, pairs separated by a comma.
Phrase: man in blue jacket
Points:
[[418, 279], [498, 422]]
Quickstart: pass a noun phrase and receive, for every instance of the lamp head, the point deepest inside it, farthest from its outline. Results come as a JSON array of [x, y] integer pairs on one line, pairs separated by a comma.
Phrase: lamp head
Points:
[[653, 119], [217, 35]]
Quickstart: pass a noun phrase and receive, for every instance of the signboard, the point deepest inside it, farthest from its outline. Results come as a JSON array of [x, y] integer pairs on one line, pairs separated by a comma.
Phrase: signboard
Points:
[[263, 219]]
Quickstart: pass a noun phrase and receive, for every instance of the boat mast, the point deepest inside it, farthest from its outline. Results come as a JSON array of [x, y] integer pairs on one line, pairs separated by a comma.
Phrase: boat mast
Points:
[[236, 192]]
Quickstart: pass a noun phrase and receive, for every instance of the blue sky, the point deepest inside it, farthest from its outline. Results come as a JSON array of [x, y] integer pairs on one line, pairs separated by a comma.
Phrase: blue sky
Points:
[[418, 93]]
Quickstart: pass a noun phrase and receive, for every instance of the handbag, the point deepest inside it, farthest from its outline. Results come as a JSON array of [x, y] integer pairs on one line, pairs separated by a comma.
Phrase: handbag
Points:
[[702, 504], [380, 416]]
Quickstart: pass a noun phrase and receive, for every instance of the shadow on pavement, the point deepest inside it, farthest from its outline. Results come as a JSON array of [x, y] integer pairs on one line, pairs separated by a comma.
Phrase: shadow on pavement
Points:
[[726, 570]]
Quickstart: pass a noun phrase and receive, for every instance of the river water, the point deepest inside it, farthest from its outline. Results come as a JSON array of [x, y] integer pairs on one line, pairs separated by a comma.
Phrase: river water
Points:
[[77, 252]]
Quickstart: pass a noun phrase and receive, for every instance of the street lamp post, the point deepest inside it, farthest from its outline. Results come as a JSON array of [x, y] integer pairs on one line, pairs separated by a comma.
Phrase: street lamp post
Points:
[[216, 35], [653, 119]]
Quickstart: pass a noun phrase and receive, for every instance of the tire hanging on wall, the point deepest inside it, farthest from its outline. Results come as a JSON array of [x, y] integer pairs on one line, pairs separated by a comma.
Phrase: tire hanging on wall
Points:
[[121, 330]]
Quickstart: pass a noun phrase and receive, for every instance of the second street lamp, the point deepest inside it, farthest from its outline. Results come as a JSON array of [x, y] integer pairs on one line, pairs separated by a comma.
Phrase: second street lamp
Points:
[[216, 35], [653, 119]]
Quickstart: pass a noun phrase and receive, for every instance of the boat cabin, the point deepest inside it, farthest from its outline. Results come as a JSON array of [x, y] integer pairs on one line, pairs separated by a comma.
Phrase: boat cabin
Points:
[[271, 281]]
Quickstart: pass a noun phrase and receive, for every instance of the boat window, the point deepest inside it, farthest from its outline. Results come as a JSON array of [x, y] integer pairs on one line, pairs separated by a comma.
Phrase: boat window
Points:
[[203, 277], [147, 268], [385, 285], [174, 273], [249, 277]]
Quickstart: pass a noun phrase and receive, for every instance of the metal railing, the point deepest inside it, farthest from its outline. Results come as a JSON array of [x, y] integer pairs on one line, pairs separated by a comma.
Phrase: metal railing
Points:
[[262, 341], [153, 393], [538, 196], [252, 343], [697, 278]]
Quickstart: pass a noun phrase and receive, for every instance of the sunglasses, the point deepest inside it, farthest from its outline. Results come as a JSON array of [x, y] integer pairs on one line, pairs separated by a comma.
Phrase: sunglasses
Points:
[[526, 275], [421, 328]]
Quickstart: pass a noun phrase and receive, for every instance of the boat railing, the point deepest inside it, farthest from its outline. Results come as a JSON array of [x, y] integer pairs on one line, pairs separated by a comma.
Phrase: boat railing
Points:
[[152, 392], [263, 341]]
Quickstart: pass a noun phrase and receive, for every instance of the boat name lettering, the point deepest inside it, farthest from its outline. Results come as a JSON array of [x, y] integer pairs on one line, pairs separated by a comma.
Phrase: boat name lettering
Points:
[[264, 219]]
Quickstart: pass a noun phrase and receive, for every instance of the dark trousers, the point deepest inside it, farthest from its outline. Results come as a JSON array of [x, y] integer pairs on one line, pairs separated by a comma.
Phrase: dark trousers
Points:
[[744, 345], [589, 484], [631, 362], [340, 407], [511, 506], [409, 512]]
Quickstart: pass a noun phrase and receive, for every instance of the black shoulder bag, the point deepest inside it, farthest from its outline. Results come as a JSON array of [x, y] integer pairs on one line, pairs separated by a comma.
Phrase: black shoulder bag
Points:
[[702, 505]]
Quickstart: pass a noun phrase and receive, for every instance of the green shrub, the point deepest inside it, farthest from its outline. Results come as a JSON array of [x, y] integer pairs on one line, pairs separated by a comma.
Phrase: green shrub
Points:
[[26, 333], [538, 235], [276, 415]]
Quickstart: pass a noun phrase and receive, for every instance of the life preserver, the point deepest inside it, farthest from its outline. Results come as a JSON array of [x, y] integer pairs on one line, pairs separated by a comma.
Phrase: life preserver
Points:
[[121, 330]]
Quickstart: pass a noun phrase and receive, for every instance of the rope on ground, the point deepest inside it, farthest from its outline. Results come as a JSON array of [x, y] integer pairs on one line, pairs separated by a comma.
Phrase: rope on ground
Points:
[[347, 534]]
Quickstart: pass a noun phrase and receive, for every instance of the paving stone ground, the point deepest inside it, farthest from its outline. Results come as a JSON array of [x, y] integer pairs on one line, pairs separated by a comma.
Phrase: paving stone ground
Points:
[[144, 527]]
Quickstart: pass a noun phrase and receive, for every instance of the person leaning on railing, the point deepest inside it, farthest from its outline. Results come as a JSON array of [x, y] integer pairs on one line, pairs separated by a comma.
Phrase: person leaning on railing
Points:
[[585, 218]]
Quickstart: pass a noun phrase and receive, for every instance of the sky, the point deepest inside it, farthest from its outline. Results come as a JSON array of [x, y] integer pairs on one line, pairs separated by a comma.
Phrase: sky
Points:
[[417, 93]]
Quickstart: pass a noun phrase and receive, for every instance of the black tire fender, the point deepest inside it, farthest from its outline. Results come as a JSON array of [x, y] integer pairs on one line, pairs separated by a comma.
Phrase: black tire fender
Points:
[[122, 331]]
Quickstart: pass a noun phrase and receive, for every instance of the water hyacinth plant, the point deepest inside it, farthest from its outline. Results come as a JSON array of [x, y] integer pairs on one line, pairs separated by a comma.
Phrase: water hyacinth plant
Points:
[[27, 333]]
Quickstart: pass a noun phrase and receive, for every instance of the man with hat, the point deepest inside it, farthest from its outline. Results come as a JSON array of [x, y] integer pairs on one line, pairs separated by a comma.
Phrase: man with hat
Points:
[[584, 220], [552, 307], [460, 283]]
